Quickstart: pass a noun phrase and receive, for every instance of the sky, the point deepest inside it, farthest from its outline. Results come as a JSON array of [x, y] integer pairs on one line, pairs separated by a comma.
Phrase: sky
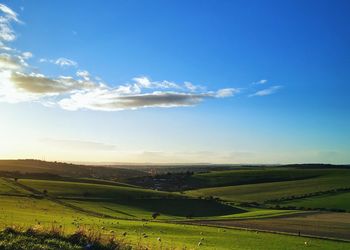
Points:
[[186, 81]]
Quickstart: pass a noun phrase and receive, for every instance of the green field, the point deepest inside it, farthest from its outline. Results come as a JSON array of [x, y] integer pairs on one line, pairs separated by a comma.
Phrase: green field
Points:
[[275, 190], [253, 175], [29, 211], [331, 201], [7, 188], [125, 212], [88, 190], [129, 202]]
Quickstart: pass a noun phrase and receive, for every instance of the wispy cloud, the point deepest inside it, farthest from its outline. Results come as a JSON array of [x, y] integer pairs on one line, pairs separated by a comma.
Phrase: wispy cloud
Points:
[[83, 74], [78, 144], [267, 91], [221, 93], [263, 81], [63, 62], [27, 55], [8, 16]]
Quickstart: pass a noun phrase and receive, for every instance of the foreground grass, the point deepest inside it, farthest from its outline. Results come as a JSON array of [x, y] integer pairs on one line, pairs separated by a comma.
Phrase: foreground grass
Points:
[[53, 239], [26, 212]]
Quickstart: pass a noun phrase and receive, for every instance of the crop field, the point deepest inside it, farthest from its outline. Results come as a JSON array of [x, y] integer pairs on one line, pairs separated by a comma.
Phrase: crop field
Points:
[[275, 190], [333, 225], [251, 176], [330, 201]]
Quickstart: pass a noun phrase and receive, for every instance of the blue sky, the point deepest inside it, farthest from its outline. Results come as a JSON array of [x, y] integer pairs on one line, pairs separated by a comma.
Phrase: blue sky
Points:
[[175, 81]]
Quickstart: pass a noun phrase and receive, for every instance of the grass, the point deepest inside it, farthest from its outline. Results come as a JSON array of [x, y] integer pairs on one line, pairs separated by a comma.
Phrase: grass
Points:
[[172, 236], [169, 209], [329, 201], [53, 239], [129, 202], [259, 213], [274, 190], [131, 209], [63, 189], [6, 188]]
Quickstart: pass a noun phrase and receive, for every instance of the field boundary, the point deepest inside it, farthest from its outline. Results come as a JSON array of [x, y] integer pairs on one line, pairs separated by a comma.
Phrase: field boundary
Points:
[[266, 231]]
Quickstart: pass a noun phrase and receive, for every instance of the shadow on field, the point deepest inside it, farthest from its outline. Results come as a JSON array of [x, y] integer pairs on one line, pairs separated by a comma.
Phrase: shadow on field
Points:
[[185, 207]]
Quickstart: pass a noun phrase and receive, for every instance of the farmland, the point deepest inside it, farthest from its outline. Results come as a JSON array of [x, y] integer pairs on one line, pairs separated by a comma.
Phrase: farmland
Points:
[[278, 189], [329, 201], [157, 219]]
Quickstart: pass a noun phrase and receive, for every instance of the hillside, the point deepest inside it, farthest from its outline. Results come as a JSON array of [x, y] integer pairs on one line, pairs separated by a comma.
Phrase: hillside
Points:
[[45, 169]]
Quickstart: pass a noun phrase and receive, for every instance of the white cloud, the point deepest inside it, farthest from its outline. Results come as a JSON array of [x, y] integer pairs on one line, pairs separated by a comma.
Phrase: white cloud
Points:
[[71, 93], [83, 74], [191, 87], [65, 62], [7, 16], [263, 81], [221, 93], [27, 55], [10, 14], [78, 144], [268, 91], [145, 82]]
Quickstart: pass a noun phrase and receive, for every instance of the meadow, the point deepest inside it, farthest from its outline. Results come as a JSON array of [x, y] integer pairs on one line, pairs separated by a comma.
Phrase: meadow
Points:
[[147, 233]]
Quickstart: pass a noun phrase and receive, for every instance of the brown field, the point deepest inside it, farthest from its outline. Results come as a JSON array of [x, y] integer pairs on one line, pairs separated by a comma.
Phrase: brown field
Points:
[[320, 224]]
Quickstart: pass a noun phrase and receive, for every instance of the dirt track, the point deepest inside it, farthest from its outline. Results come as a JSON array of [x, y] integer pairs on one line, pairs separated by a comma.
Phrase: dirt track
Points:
[[323, 224]]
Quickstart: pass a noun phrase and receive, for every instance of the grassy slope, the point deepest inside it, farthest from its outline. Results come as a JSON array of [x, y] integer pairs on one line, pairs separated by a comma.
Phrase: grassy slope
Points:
[[10, 241], [84, 190], [332, 201], [7, 189], [267, 191], [172, 235], [35, 167], [28, 211], [169, 209], [128, 202]]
